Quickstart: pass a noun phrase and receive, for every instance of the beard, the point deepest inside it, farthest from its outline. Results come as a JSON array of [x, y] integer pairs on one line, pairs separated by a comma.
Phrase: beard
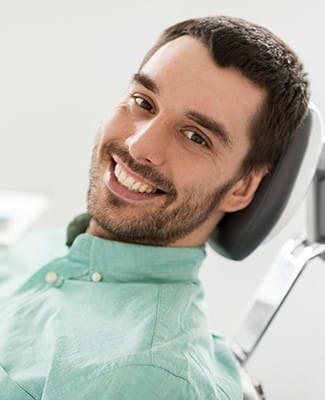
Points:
[[160, 222]]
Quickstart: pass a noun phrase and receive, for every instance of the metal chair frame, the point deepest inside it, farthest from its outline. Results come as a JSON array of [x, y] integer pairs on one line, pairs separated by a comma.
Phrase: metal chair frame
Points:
[[295, 255]]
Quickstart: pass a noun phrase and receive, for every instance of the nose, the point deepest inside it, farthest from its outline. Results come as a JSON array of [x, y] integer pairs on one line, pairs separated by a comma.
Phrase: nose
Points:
[[148, 144]]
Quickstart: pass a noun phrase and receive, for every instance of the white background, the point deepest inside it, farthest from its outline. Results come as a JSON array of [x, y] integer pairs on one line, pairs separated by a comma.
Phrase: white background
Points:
[[64, 64]]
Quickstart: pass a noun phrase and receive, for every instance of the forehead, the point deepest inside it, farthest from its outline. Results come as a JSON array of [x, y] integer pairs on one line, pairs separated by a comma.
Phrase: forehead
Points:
[[189, 78]]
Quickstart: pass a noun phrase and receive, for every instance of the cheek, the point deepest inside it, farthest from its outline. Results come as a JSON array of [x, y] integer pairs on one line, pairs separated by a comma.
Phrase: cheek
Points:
[[190, 176], [117, 124]]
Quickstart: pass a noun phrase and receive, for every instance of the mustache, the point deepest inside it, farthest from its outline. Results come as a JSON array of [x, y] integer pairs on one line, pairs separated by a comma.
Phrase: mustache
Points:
[[145, 171]]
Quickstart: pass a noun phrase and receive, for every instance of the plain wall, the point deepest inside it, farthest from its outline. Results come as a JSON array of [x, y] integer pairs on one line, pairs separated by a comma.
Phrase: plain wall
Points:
[[64, 64]]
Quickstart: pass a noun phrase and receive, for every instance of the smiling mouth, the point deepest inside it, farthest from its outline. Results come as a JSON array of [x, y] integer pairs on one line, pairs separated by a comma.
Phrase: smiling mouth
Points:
[[128, 184], [132, 183]]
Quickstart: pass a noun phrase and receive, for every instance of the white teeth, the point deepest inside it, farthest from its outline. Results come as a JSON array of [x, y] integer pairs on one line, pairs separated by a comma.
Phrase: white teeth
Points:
[[117, 169], [136, 186], [142, 188], [122, 176], [130, 183]]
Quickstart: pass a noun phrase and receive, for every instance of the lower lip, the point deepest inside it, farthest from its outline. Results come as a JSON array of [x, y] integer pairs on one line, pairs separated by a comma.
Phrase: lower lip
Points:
[[122, 192]]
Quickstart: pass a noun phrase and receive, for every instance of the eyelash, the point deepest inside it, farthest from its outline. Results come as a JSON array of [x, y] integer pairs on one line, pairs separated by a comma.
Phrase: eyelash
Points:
[[204, 142], [151, 109], [137, 97]]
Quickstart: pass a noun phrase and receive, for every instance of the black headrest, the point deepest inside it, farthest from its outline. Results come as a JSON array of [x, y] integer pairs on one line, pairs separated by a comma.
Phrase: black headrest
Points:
[[238, 234]]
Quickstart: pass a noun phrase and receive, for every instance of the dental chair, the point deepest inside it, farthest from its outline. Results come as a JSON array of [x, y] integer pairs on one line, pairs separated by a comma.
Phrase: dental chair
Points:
[[298, 176]]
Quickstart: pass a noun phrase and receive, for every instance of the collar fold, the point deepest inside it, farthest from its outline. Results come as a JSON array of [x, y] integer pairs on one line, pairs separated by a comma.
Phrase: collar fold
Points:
[[126, 262]]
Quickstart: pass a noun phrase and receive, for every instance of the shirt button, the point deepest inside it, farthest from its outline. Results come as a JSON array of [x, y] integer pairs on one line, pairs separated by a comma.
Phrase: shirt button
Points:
[[51, 277], [96, 277]]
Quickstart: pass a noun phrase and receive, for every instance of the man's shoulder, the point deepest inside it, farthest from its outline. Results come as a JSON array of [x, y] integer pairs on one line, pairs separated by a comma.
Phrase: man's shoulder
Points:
[[28, 255], [38, 247]]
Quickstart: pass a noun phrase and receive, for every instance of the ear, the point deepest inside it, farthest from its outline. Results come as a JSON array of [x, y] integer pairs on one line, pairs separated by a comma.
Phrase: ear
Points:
[[242, 192]]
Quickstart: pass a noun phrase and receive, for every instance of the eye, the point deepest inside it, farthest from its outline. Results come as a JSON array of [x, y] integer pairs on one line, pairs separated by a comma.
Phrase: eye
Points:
[[195, 137], [143, 103]]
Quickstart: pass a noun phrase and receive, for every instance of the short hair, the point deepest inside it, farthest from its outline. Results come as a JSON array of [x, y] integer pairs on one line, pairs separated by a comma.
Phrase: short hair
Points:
[[264, 59]]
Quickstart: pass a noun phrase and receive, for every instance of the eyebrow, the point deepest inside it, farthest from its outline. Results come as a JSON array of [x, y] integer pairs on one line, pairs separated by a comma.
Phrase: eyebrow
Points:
[[145, 81], [217, 128]]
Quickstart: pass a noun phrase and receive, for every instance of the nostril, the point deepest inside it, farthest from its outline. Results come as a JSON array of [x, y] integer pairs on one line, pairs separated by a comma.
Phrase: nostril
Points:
[[146, 147]]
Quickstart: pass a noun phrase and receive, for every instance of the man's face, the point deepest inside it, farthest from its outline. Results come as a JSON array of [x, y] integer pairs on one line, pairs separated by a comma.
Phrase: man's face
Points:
[[168, 155]]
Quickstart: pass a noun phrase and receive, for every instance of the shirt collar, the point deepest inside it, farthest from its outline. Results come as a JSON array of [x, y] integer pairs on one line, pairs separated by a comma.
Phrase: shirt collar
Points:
[[125, 262]]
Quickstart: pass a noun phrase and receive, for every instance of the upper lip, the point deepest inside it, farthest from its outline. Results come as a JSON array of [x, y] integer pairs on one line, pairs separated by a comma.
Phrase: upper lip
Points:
[[133, 174]]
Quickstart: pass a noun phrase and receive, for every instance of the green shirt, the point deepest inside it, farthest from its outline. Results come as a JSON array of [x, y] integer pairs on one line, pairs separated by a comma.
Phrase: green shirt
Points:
[[108, 320]]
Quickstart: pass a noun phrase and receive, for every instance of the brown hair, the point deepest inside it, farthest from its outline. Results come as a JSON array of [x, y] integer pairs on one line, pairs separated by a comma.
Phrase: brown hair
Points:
[[268, 62]]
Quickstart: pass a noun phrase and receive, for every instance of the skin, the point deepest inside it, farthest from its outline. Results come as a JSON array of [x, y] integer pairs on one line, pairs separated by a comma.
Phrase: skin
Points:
[[158, 137]]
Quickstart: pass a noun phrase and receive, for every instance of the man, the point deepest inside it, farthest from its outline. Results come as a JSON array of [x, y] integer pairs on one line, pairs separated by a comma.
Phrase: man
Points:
[[120, 316]]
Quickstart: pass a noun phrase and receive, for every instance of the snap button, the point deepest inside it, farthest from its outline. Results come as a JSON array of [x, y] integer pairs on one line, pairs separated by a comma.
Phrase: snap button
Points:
[[96, 277], [51, 277]]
